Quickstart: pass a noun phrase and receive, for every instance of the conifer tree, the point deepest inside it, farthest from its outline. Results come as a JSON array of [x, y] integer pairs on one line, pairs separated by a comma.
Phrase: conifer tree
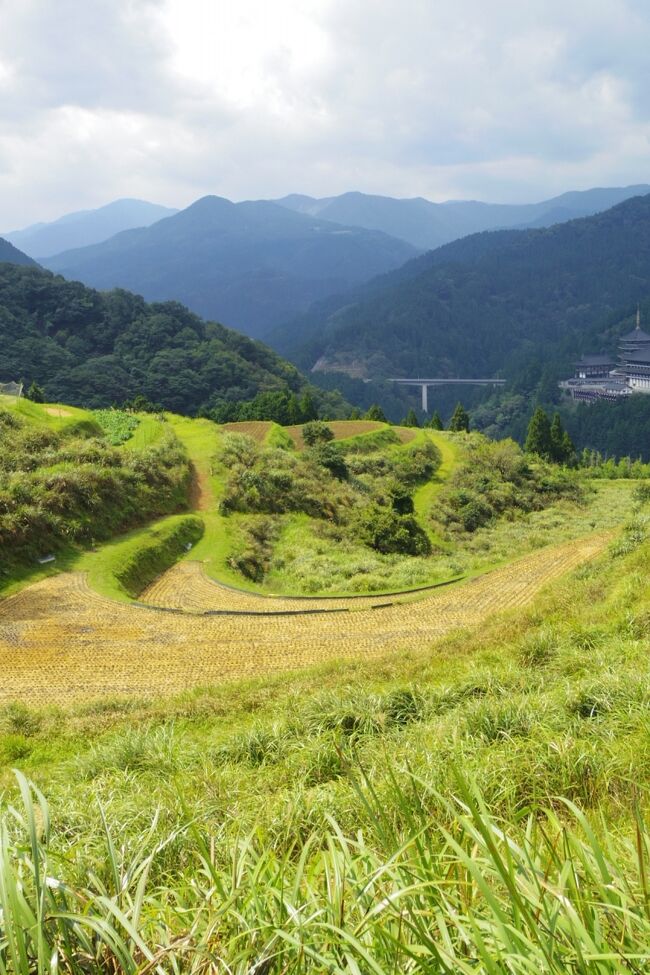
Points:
[[459, 420], [376, 413], [538, 437], [568, 448], [410, 420], [435, 423], [35, 393]]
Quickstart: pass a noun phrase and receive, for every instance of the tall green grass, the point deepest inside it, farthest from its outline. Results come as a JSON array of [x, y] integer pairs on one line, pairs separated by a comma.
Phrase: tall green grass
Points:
[[459, 893]]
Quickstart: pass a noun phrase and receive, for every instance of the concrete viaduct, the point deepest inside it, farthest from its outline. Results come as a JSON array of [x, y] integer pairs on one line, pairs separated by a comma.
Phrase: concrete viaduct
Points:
[[425, 383]]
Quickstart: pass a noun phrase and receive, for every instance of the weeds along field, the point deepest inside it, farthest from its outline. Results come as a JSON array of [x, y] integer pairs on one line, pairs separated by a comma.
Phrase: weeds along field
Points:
[[473, 805]]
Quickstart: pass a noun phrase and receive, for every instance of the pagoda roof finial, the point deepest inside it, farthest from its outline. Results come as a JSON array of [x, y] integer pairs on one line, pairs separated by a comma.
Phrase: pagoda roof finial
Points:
[[638, 316]]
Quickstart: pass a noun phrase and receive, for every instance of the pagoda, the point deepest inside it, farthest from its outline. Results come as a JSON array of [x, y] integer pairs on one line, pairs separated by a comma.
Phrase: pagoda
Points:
[[634, 358]]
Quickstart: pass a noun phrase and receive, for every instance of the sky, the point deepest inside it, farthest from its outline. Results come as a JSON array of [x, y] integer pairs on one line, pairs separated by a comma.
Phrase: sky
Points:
[[169, 100]]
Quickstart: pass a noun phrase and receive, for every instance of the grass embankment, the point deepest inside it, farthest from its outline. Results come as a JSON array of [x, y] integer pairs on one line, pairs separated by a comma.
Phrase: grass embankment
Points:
[[316, 822], [53, 416], [126, 566]]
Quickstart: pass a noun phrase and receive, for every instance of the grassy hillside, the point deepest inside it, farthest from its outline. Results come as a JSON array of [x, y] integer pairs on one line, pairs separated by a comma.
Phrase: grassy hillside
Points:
[[63, 486], [472, 805], [374, 509]]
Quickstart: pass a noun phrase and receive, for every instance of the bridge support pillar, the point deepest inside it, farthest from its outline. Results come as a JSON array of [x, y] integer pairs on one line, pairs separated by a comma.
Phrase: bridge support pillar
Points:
[[425, 398]]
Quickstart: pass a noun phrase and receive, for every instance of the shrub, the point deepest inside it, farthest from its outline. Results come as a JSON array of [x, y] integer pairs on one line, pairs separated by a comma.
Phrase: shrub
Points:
[[316, 432]]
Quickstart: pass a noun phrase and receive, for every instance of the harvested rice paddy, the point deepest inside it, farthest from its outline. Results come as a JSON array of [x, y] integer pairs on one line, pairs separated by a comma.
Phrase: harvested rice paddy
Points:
[[61, 642]]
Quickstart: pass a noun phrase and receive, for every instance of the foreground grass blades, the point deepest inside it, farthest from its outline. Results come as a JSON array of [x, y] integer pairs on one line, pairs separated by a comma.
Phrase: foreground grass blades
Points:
[[462, 893]]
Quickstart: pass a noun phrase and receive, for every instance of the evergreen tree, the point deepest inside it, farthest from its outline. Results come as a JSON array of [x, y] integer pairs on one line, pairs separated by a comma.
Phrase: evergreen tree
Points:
[[435, 423], [355, 414], [460, 419], [538, 437], [376, 413], [410, 420], [557, 436], [35, 393], [568, 448], [562, 448], [308, 409]]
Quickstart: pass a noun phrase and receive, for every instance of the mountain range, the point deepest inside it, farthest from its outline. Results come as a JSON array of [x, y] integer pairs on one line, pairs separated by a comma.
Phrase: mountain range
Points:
[[253, 264], [86, 227], [427, 225], [259, 265], [475, 306]]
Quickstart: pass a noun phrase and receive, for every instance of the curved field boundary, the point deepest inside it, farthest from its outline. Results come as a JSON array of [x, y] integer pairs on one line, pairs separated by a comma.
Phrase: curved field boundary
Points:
[[60, 642], [186, 587]]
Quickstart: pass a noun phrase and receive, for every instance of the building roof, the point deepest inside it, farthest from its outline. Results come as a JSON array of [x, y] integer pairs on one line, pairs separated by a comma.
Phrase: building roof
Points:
[[639, 355], [636, 335], [602, 359]]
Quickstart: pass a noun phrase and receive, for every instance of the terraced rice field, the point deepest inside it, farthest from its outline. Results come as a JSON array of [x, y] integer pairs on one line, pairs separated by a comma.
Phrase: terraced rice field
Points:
[[257, 429], [342, 429], [61, 642]]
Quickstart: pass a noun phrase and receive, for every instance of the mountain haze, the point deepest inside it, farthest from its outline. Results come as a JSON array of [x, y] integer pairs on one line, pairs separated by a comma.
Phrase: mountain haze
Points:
[[472, 307], [252, 265], [427, 225], [86, 227]]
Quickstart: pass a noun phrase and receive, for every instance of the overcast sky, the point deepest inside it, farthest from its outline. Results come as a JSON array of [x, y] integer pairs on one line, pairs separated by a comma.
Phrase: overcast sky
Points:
[[167, 100]]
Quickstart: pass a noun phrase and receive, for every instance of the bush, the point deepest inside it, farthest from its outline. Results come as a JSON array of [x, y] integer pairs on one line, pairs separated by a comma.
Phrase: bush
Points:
[[385, 530], [316, 432], [497, 479]]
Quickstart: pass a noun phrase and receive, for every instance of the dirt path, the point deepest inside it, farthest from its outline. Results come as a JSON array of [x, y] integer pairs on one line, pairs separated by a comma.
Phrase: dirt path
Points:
[[61, 642]]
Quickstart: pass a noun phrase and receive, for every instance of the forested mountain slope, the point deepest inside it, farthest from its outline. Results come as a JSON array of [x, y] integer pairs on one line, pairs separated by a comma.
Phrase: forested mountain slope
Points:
[[90, 348], [11, 254], [476, 305], [252, 265]]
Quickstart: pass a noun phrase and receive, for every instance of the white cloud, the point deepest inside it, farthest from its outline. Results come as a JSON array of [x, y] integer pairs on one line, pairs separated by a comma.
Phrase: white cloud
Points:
[[171, 99]]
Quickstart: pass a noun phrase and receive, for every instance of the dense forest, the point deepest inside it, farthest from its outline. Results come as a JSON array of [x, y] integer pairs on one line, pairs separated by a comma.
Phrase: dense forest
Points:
[[475, 306], [94, 349]]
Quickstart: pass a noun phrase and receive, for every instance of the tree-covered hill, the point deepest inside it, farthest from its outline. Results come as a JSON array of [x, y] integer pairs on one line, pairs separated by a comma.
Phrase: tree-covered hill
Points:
[[90, 348], [252, 265], [476, 305], [12, 255]]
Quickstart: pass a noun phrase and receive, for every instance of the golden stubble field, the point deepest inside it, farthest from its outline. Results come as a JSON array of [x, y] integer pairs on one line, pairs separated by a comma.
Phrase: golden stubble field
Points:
[[61, 642]]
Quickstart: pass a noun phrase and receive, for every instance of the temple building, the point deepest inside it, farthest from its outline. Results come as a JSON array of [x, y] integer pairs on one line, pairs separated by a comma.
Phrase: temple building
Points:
[[600, 377]]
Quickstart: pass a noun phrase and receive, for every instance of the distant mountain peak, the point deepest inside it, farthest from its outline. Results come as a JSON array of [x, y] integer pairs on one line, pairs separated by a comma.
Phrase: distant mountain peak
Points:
[[85, 227]]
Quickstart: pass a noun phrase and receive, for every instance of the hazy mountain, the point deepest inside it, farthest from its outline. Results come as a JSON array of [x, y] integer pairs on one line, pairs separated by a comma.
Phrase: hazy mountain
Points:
[[12, 255], [86, 227], [474, 306], [252, 265], [427, 225], [94, 349]]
